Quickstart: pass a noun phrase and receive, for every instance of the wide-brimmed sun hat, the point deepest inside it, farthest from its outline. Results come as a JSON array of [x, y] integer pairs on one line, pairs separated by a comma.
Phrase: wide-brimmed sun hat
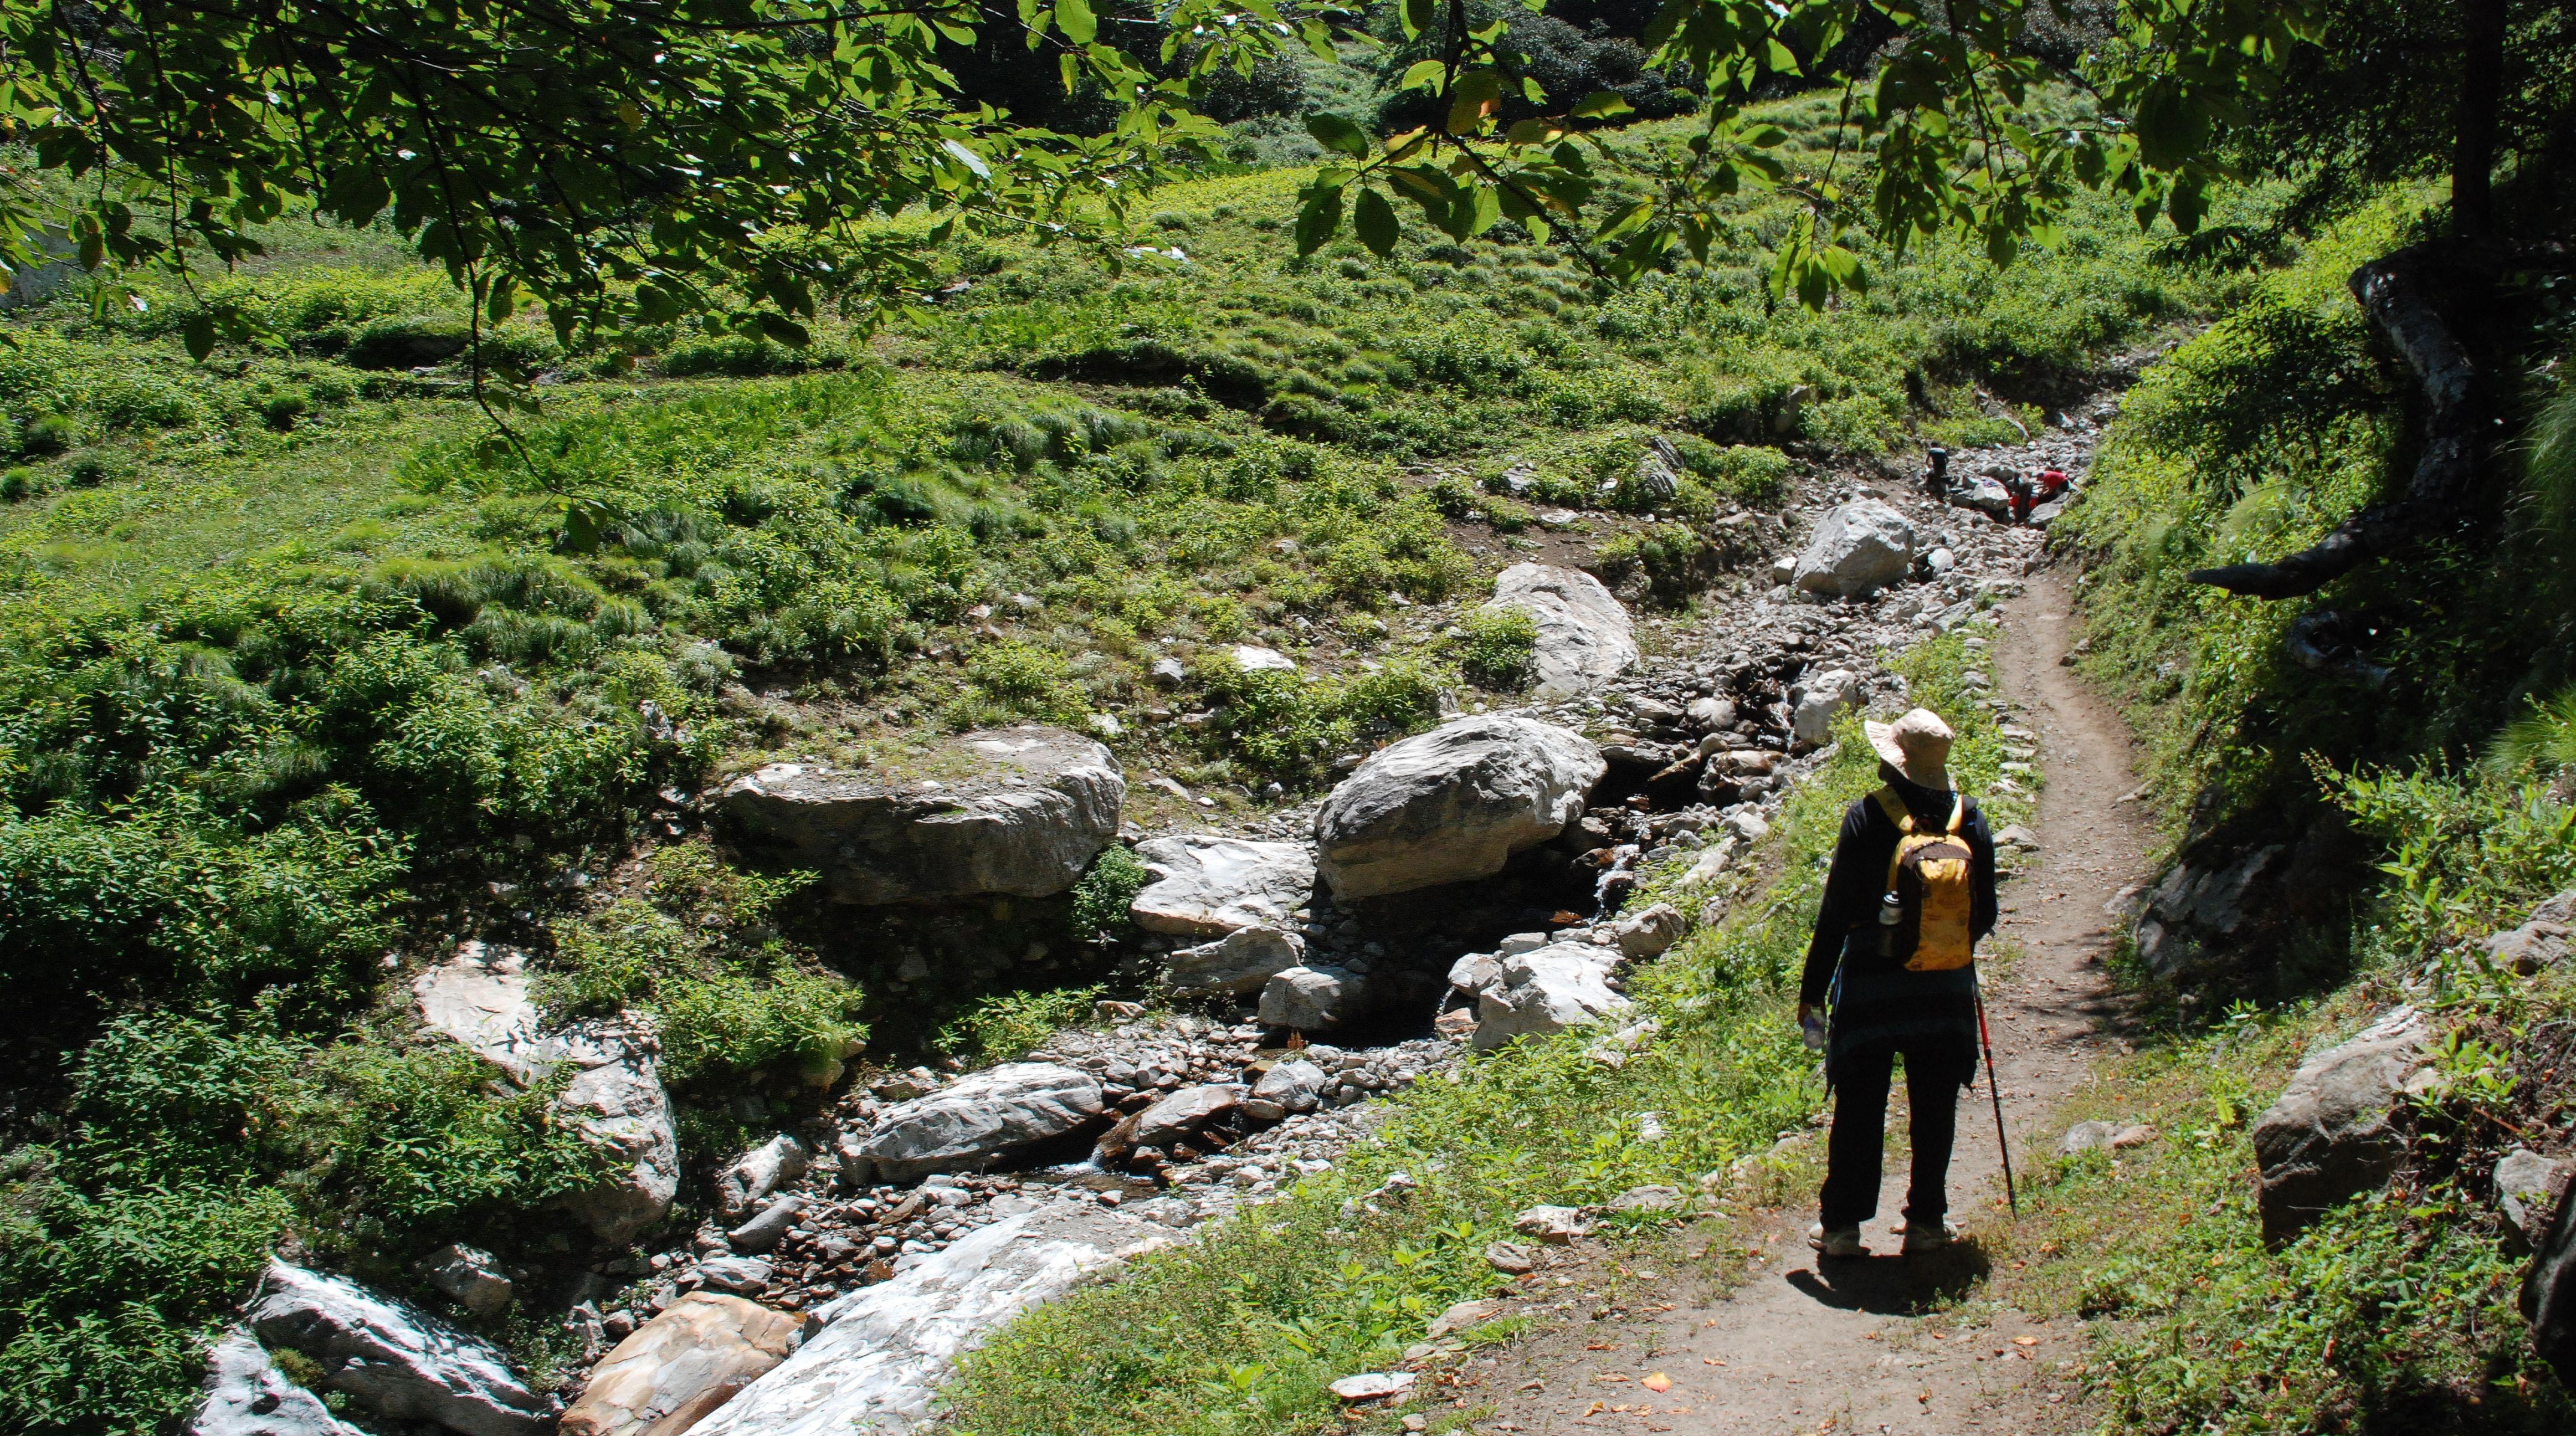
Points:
[[1916, 745]]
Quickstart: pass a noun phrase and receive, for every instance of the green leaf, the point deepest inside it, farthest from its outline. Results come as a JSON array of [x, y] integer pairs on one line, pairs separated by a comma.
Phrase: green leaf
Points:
[[2187, 203], [1075, 19], [197, 332], [1318, 218], [1373, 219], [1336, 133], [1423, 74], [1602, 103], [1418, 15]]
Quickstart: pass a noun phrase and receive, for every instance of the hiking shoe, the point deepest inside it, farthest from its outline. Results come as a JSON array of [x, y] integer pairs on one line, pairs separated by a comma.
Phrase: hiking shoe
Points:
[[1840, 1242], [1920, 1238]]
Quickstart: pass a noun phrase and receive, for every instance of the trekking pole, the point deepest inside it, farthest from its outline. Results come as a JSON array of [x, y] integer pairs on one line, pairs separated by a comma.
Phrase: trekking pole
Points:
[[2003, 1143]]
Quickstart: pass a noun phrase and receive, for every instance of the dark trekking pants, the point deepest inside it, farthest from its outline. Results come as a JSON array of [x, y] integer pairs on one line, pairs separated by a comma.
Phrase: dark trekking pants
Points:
[[1935, 1071]]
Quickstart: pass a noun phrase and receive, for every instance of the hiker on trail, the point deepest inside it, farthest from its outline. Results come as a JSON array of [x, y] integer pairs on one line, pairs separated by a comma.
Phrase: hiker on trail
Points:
[[1936, 472], [1892, 973]]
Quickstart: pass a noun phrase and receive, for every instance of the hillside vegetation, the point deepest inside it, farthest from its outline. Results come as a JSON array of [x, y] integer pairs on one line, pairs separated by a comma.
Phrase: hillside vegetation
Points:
[[307, 673]]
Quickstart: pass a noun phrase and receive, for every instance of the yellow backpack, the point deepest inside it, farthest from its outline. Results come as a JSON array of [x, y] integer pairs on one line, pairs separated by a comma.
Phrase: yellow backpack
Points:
[[1929, 877]]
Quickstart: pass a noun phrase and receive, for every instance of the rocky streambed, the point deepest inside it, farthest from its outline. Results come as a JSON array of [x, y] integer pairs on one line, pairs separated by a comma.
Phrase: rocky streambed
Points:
[[1454, 890]]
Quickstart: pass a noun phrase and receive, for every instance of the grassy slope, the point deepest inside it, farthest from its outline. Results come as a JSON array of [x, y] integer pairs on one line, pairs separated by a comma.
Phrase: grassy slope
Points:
[[297, 671]]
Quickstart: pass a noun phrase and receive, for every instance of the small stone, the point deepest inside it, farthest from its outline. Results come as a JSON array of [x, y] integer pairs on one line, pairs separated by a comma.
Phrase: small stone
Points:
[[742, 1276], [472, 1276], [1459, 1316], [1373, 1385], [1510, 1258], [2135, 1136], [1554, 1225], [1648, 1199], [2086, 1136]]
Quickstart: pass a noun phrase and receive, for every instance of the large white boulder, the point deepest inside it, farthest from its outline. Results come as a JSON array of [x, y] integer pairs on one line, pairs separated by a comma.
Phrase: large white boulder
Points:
[[884, 1349], [979, 1117], [1861, 547], [1207, 885], [1014, 810], [1561, 986], [1584, 636], [246, 1395], [616, 1105], [393, 1358], [680, 1366], [1452, 804]]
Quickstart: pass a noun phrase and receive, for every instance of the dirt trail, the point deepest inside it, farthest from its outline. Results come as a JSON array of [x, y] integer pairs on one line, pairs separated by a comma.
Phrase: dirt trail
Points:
[[1831, 1347]]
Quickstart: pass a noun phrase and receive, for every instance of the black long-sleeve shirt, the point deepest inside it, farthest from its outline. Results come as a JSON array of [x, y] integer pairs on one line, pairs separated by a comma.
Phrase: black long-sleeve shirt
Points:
[[1858, 876]]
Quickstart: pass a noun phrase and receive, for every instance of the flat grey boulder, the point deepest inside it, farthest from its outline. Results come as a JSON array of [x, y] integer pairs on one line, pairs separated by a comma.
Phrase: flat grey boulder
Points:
[[1649, 932], [246, 1395], [2328, 1137], [1859, 548], [1310, 999], [1559, 987], [1585, 638], [1297, 1085], [1452, 804], [393, 1358], [469, 1275], [1183, 1113], [1206, 885], [680, 1366], [616, 1105], [1020, 811], [980, 1117], [877, 1364], [1242, 961]]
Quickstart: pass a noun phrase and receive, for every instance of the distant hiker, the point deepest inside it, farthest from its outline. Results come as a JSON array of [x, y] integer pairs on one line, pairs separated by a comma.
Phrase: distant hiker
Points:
[[1892, 969], [2030, 493], [1936, 472]]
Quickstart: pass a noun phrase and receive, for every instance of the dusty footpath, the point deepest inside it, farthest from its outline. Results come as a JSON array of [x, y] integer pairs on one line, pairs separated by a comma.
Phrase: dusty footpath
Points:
[[1889, 1344]]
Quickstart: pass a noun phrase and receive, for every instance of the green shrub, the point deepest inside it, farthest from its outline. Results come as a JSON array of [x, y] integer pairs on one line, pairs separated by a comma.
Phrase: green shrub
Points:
[[408, 341], [1019, 680], [695, 948], [164, 900], [280, 411], [1101, 898], [1008, 1026], [1281, 725], [48, 434], [1499, 645], [21, 483]]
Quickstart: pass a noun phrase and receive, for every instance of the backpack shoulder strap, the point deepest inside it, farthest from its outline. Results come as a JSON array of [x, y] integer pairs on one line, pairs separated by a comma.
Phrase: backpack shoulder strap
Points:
[[1894, 807], [1958, 811]]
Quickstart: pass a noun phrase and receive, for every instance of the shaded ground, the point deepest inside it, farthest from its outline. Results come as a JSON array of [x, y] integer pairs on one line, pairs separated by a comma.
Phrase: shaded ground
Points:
[[1753, 1333]]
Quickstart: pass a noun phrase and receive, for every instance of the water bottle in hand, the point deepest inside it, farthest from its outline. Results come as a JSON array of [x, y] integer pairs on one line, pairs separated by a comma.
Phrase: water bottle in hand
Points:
[[1812, 1027]]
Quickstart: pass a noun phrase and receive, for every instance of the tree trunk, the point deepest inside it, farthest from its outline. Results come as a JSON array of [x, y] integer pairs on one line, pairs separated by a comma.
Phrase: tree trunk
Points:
[[2396, 292], [2473, 146]]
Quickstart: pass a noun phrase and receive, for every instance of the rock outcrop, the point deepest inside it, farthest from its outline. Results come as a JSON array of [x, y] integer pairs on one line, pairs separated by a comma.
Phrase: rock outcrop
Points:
[[1206, 885], [2328, 1137], [746, 1184], [1452, 804], [1859, 548], [981, 1117], [1821, 700], [679, 1367], [1560, 986], [2200, 907], [393, 1358], [246, 1395], [884, 1349], [1311, 999], [1020, 811], [1584, 636]]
